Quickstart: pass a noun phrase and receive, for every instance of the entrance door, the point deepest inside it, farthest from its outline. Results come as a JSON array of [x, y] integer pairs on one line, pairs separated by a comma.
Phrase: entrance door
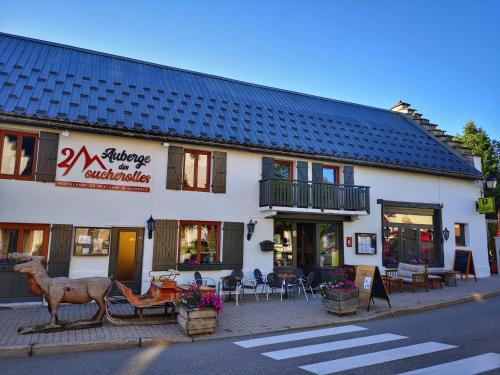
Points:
[[306, 250], [330, 257], [125, 262]]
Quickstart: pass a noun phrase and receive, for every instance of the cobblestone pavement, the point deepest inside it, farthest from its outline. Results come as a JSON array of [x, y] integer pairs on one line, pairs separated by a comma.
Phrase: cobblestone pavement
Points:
[[249, 317]]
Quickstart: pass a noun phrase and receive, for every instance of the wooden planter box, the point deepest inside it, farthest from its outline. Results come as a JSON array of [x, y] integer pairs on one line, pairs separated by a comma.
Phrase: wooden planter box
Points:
[[196, 321], [341, 302]]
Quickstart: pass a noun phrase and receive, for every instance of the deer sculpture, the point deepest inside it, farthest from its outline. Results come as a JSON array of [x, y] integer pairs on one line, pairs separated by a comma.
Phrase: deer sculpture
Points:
[[61, 289]]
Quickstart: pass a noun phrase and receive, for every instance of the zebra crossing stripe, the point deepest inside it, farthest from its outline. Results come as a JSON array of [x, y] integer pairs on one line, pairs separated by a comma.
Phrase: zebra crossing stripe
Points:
[[466, 366], [348, 363], [298, 336], [331, 346]]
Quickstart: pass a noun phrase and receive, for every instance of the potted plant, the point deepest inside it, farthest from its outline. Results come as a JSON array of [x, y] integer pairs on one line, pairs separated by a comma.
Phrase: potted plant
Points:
[[266, 245], [198, 313], [340, 297]]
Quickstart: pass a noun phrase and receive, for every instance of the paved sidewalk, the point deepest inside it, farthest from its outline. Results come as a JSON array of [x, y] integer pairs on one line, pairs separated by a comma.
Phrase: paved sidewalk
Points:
[[248, 318]]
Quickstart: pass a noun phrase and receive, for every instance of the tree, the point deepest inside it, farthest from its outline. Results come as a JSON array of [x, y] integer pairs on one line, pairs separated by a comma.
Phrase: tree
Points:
[[482, 145]]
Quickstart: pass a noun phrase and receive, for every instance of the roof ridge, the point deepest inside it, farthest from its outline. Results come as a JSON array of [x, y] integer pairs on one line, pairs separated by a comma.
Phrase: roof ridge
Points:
[[131, 59]]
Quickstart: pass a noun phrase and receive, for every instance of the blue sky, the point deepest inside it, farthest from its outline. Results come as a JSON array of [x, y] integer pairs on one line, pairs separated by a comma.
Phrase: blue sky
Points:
[[443, 57]]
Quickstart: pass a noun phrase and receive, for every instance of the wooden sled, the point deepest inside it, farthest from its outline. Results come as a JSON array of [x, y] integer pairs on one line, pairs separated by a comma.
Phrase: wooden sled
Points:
[[59, 326], [162, 293]]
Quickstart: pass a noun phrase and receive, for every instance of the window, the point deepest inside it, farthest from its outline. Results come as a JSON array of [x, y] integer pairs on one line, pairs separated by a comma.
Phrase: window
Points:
[[91, 241], [330, 174], [23, 238], [460, 234], [283, 169], [199, 242], [18, 155], [412, 237], [283, 243], [196, 170]]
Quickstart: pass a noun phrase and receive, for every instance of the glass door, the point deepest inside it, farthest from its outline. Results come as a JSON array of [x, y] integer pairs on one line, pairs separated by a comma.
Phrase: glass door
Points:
[[330, 256]]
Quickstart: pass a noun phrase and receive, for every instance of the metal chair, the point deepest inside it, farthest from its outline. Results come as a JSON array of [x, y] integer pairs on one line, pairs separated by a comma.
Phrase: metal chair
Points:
[[259, 279], [274, 283], [229, 285], [296, 283], [307, 285], [199, 280], [249, 282]]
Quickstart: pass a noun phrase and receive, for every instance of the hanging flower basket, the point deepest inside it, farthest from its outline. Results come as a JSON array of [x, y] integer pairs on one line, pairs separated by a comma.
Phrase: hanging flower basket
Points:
[[340, 297]]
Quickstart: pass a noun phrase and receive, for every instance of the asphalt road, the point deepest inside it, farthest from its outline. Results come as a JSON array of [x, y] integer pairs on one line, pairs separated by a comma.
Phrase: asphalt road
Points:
[[443, 336]]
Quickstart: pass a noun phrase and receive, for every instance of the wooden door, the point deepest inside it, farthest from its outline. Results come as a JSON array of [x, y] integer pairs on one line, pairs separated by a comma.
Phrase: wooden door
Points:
[[125, 261]]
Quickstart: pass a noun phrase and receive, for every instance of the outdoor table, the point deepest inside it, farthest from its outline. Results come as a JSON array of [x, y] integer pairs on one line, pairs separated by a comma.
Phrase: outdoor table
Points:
[[286, 276]]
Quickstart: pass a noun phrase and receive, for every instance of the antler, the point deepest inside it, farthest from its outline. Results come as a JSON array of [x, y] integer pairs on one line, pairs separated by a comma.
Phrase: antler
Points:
[[25, 257]]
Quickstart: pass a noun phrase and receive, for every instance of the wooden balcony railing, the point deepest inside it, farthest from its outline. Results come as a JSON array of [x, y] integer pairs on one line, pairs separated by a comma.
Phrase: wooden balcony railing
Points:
[[308, 194]]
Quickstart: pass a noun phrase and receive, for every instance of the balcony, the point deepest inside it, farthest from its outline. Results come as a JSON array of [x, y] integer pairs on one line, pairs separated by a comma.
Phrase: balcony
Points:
[[311, 196]]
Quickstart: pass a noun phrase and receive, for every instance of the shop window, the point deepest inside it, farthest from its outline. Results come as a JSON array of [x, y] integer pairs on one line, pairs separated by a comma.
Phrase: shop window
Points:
[[329, 256], [199, 242], [23, 238], [460, 234], [283, 169], [412, 237], [330, 174], [91, 241], [17, 155], [283, 243], [196, 170]]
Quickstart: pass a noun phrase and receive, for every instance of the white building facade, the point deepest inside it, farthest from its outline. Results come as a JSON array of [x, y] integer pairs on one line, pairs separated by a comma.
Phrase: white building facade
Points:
[[81, 193]]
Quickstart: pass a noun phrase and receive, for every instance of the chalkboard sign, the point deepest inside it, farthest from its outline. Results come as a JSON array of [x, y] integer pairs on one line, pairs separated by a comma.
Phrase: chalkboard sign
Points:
[[370, 284], [463, 262]]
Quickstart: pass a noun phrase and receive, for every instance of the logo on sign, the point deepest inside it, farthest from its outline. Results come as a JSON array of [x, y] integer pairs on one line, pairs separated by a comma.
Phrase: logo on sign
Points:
[[98, 173]]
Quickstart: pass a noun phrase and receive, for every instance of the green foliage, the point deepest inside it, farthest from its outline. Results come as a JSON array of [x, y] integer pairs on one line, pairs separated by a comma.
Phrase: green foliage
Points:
[[488, 149]]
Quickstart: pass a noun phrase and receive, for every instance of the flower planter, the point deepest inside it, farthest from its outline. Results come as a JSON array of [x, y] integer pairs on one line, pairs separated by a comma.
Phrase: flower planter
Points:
[[266, 245], [197, 320], [341, 301]]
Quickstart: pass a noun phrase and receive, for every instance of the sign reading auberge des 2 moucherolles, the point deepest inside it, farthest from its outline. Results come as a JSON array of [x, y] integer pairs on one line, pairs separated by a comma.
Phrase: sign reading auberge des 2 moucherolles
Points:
[[99, 165]]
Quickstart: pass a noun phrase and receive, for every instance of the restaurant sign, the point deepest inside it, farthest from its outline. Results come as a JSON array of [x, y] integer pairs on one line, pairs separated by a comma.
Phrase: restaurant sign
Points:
[[486, 205], [103, 167]]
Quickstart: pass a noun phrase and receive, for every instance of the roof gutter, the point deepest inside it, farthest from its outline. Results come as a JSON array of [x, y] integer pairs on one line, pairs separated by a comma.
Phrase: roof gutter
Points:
[[106, 130]]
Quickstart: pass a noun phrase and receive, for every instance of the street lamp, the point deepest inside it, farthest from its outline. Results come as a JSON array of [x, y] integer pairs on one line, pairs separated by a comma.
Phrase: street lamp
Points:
[[151, 226]]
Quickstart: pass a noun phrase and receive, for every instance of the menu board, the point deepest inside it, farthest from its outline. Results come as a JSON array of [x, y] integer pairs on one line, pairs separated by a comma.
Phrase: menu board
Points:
[[366, 243]]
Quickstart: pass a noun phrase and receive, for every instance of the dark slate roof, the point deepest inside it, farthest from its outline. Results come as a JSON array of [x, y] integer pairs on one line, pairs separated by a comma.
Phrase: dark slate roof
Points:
[[45, 80]]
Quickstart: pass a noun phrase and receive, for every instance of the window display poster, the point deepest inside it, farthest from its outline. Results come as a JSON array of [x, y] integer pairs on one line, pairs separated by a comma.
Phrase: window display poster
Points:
[[84, 239]]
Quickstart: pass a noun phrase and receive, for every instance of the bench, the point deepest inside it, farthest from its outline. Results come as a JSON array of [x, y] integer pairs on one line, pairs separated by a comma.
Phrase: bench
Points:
[[414, 274]]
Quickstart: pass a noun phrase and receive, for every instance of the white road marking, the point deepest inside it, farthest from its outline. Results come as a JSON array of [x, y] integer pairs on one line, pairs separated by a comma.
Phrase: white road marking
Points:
[[298, 336], [331, 346], [466, 366], [348, 363]]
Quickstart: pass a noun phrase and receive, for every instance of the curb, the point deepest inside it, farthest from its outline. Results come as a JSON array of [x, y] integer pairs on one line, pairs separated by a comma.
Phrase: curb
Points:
[[19, 351]]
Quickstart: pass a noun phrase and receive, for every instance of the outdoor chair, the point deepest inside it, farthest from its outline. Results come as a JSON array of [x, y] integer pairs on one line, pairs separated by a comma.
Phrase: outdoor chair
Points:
[[307, 285], [228, 287], [249, 282], [274, 283], [207, 281], [259, 279], [414, 274], [296, 283]]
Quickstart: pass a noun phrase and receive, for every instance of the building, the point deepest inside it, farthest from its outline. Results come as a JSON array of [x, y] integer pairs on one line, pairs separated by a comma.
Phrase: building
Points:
[[93, 145]]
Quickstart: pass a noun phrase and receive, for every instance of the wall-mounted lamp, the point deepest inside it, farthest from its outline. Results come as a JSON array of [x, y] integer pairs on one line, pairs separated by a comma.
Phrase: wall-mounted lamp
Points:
[[151, 226], [491, 182], [250, 228], [65, 133], [387, 232], [446, 234]]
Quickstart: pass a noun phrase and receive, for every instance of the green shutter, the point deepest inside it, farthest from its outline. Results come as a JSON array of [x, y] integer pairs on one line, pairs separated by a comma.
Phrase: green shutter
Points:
[[219, 172], [267, 168], [302, 185], [47, 157], [317, 189], [61, 243], [174, 167], [349, 176], [232, 244], [165, 245]]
